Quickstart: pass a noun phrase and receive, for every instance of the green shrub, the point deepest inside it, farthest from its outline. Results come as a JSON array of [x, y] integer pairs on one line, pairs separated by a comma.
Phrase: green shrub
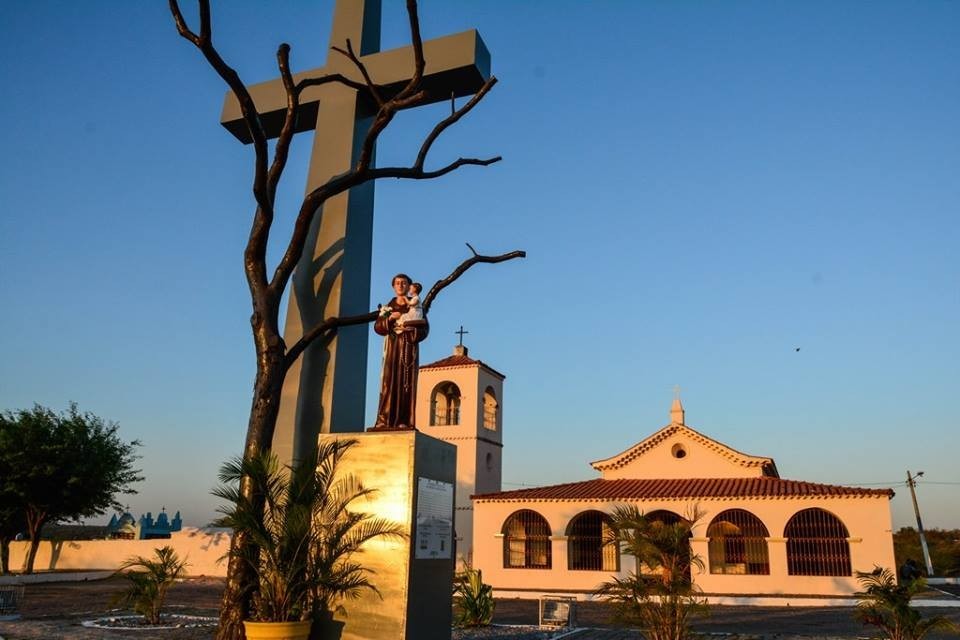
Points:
[[474, 600], [886, 605], [658, 596], [305, 536], [149, 582]]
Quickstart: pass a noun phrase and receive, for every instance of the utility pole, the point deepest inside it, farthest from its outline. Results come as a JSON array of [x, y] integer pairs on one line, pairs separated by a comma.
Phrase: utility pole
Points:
[[912, 483]]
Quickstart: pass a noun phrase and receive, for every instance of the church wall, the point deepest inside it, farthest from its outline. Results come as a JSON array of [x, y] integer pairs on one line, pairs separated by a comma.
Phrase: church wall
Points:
[[699, 461], [474, 442], [466, 477], [489, 518], [867, 521], [870, 538], [202, 550]]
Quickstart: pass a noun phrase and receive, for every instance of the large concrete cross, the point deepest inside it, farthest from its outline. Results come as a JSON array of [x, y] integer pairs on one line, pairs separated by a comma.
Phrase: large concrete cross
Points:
[[325, 390]]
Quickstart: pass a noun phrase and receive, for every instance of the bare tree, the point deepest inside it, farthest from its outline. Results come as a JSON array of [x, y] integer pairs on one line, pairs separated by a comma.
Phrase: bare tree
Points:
[[274, 357]]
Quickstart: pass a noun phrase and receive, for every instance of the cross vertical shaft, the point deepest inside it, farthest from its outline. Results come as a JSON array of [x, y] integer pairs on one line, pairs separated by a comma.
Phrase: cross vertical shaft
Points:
[[332, 277]]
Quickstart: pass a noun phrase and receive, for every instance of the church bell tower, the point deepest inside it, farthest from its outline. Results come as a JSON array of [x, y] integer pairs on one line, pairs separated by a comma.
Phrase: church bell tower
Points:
[[460, 401]]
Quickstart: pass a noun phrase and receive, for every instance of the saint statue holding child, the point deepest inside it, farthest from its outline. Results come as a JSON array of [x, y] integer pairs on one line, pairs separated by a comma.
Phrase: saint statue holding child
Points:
[[403, 325]]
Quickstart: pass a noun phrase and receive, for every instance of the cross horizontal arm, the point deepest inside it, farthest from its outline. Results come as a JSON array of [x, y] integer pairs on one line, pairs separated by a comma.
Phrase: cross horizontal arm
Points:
[[458, 64]]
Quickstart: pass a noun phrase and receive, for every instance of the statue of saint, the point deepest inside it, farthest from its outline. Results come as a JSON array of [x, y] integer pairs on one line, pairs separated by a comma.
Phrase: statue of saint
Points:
[[403, 325]]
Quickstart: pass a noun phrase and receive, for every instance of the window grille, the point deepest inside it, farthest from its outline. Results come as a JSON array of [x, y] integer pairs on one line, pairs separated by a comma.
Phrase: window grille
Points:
[[526, 541], [445, 405], [586, 550], [738, 544], [817, 544], [489, 409]]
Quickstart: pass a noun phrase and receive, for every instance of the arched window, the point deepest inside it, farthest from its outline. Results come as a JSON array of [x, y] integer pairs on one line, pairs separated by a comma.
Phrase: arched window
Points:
[[490, 409], [817, 544], [526, 541], [738, 544], [586, 550], [445, 405]]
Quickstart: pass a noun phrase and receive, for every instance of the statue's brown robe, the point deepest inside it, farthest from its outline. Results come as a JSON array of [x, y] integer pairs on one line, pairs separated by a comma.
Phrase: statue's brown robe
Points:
[[397, 408]]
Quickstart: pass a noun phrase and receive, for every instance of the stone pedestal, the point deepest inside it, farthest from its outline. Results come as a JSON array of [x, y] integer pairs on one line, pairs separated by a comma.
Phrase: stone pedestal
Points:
[[415, 478]]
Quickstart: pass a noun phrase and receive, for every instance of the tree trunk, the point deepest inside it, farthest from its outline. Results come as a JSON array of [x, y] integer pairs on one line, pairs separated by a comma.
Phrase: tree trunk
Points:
[[241, 579], [34, 545], [4, 555]]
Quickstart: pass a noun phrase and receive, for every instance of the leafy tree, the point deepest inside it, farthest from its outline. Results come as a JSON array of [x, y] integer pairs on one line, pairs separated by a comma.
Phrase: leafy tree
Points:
[[944, 546], [658, 595], [62, 466], [475, 603], [150, 580], [886, 605]]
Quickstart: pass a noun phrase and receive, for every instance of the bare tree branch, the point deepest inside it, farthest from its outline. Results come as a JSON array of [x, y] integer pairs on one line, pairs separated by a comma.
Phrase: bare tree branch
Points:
[[333, 77], [289, 121], [327, 326], [338, 185], [440, 285], [349, 53], [451, 119], [330, 325], [256, 271], [410, 95], [182, 27], [413, 173], [419, 64]]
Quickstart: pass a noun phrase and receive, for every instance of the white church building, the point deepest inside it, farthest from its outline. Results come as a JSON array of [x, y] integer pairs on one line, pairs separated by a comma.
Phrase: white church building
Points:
[[758, 534]]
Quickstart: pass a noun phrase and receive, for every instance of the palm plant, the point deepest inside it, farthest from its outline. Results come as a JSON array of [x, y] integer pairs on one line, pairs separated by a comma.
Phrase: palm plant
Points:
[[658, 595], [304, 540], [885, 604], [475, 601], [150, 579]]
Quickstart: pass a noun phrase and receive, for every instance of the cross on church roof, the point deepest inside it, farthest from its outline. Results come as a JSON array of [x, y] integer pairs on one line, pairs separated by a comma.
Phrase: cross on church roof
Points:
[[461, 332]]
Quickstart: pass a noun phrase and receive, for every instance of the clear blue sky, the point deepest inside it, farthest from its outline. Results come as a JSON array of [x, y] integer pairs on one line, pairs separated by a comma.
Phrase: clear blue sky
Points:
[[701, 187]]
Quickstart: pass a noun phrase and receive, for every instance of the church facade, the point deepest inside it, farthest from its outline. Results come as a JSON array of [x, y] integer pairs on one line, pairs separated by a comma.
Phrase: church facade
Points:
[[757, 533]]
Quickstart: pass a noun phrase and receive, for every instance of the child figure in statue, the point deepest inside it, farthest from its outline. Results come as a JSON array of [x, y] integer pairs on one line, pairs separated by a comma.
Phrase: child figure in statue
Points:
[[414, 313]]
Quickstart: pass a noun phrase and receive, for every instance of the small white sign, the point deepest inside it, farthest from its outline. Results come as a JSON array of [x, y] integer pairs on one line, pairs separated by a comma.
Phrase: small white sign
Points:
[[434, 519]]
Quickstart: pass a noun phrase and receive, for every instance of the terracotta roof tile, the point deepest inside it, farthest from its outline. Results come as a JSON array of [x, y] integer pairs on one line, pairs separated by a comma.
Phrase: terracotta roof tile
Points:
[[761, 487], [460, 361]]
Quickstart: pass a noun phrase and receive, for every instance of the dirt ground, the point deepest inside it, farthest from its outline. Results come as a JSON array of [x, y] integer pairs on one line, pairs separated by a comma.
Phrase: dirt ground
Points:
[[54, 611]]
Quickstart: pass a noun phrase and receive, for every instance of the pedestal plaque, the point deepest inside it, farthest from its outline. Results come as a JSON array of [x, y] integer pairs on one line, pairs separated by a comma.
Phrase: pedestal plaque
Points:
[[414, 476]]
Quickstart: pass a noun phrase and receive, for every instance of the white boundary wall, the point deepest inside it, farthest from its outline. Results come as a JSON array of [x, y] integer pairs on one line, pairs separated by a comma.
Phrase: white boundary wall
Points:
[[202, 548]]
